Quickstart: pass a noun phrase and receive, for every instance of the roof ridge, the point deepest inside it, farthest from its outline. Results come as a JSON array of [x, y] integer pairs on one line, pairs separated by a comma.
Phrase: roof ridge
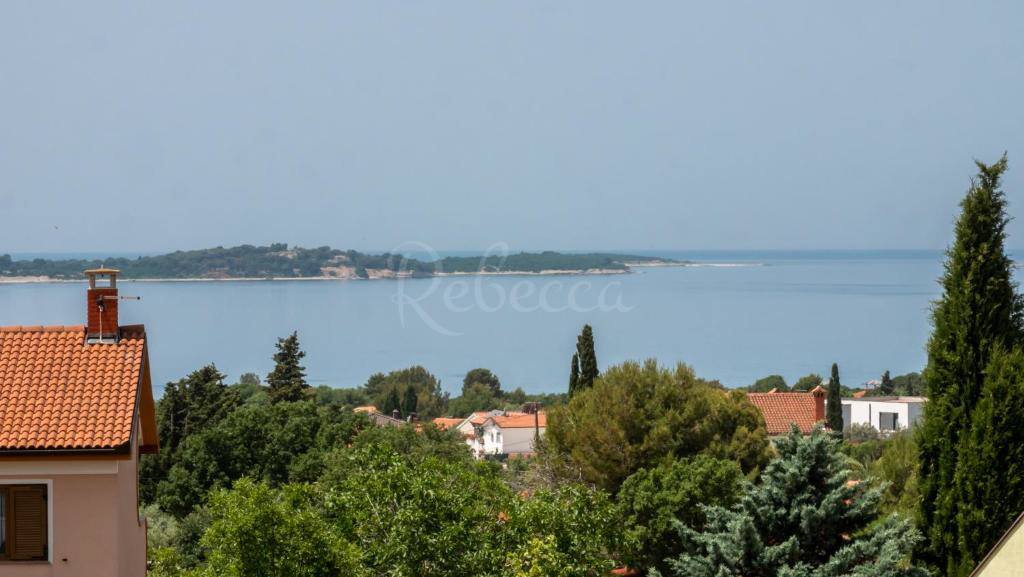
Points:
[[42, 329]]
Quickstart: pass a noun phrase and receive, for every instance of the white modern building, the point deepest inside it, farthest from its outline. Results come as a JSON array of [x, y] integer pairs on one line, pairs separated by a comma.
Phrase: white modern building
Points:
[[886, 414]]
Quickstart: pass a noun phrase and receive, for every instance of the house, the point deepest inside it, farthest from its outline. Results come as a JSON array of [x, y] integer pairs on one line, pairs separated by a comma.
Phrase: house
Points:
[[782, 410], [445, 423], [886, 414], [76, 411], [1006, 556], [512, 434]]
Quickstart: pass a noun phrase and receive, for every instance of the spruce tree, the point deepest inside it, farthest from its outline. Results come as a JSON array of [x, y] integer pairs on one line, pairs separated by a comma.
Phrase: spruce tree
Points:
[[834, 403], [409, 405], [574, 375], [978, 312], [288, 379], [802, 519], [587, 358]]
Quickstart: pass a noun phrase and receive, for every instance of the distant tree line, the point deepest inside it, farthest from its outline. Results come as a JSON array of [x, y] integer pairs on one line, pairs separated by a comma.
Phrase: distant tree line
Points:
[[280, 260]]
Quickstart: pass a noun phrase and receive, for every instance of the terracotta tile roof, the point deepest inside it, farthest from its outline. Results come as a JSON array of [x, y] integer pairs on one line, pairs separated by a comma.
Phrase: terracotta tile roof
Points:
[[445, 423], [781, 410], [59, 393], [479, 417], [520, 420], [365, 409]]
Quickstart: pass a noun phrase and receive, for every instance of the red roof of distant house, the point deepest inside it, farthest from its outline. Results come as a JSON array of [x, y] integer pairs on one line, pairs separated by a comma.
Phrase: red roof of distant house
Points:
[[859, 394], [445, 423], [782, 410], [59, 393], [521, 420]]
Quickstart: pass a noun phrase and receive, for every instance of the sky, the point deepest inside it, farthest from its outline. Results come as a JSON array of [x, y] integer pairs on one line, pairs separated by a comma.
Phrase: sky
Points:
[[573, 125]]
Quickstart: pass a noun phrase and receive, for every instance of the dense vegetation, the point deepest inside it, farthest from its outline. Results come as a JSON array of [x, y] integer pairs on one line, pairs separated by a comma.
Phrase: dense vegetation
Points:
[[283, 479], [971, 482], [280, 260]]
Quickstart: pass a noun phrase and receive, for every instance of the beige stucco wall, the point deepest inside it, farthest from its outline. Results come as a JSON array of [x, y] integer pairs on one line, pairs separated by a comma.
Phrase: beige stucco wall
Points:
[[1008, 559], [95, 528]]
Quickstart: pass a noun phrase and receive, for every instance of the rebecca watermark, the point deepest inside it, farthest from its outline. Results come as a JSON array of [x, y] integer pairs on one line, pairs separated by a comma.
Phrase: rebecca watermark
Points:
[[482, 292]]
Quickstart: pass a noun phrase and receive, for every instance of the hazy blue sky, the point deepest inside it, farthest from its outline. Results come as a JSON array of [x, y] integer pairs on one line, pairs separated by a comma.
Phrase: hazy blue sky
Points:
[[146, 126]]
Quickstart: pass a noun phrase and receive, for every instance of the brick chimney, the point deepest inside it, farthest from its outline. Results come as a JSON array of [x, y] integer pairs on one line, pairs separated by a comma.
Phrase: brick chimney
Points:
[[101, 304], [819, 403]]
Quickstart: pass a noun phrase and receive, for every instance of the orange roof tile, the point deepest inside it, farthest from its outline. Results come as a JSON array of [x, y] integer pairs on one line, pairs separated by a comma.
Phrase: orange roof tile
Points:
[[521, 421], [445, 423], [781, 410], [59, 393]]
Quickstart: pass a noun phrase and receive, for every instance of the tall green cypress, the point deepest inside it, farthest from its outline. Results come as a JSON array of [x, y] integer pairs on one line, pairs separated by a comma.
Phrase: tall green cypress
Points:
[[288, 379], [574, 374], [989, 479], [886, 387], [587, 358], [411, 401], [834, 403], [392, 402], [979, 311]]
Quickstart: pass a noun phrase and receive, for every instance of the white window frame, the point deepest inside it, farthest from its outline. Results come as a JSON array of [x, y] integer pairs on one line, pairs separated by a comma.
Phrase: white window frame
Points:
[[49, 510]]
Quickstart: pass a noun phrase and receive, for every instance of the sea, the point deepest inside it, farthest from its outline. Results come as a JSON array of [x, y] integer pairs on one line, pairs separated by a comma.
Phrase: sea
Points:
[[734, 316]]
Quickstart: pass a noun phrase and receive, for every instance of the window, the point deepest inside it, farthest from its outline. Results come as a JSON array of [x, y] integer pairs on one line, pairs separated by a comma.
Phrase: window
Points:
[[23, 523], [888, 421]]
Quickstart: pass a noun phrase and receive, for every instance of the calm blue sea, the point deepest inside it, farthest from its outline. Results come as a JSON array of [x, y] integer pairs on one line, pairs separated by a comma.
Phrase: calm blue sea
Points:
[[784, 312]]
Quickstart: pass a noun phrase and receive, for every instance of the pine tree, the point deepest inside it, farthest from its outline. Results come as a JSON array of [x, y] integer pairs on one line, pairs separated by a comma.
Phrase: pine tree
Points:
[[409, 405], [834, 403], [587, 358], [989, 481], [886, 387], [574, 375], [801, 519], [978, 312], [288, 379]]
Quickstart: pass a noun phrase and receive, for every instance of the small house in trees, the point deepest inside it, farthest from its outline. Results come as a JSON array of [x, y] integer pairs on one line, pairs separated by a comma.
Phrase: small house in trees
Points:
[[1007, 556], [783, 410], [513, 434], [76, 411], [885, 414]]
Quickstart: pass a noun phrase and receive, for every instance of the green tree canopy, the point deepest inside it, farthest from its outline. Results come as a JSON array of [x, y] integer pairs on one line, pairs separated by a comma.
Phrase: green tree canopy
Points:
[[635, 416], [765, 384], [801, 520], [259, 530], [808, 382], [188, 407], [652, 501], [430, 400], [482, 376], [978, 313], [989, 480], [288, 379]]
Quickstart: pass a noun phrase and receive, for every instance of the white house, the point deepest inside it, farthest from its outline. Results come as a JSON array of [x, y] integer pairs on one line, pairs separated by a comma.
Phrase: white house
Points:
[[886, 414], [511, 435]]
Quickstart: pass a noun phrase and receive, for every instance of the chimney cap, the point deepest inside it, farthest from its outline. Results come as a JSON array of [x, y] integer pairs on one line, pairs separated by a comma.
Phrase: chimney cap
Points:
[[102, 270]]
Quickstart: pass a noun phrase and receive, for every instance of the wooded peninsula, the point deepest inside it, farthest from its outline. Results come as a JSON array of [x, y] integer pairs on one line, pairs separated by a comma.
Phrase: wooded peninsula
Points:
[[278, 260]]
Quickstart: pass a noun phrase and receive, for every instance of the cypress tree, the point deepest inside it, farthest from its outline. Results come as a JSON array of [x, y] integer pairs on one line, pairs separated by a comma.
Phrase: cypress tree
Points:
[[574, 374], [288, 379], [990, 475], [886, 388], [834, 403], [587, 358], [410, 400], [978, 312], [392, 402]]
